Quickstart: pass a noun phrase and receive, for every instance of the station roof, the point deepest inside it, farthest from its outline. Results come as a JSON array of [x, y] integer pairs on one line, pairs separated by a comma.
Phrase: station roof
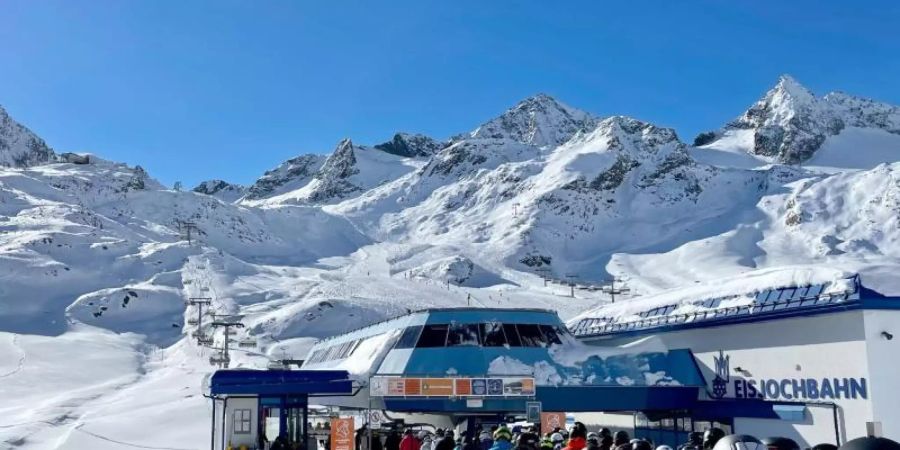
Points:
[[765, 304]]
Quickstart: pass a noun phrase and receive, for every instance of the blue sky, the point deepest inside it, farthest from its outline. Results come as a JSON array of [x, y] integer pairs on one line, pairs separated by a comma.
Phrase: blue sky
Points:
[[194, 90]]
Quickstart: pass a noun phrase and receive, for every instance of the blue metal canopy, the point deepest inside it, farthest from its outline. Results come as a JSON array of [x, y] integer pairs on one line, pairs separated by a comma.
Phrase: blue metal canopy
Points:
[[280, 382]]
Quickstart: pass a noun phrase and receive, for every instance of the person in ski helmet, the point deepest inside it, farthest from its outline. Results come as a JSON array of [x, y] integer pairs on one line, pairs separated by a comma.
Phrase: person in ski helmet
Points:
[[605, 432], [502, 439], [606, 442], [577, 441], [485, 440], [593, 441], [739, 442], [663, 447], [557, 439], [621, 440], [711, 437], [427, 442], [640, 444], [780, 443], [695, 441]]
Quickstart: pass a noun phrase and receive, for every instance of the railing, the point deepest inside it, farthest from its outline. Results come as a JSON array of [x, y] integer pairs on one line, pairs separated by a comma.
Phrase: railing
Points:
[[607, 325]]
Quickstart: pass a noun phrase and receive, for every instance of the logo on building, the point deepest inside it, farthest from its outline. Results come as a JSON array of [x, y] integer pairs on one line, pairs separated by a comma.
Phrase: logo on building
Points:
[[720, 382], [818, 387]]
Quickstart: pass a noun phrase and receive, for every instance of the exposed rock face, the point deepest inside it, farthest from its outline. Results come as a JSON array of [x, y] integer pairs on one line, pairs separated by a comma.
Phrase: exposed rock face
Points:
[[19, 147], [291, 174], [221, 189], [332, 180], [656, 151], [411, 145], [789, 124], [540, 121]]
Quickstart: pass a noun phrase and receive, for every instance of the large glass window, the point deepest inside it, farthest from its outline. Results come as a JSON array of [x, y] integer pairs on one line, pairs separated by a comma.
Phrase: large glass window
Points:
[[433, 336], [409, 337], [463, 334], [492, 334], [531, 335], [550, 334], [512, 335]]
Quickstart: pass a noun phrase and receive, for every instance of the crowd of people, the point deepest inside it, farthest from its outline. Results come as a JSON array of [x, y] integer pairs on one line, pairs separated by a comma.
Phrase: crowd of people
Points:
[[501, 437]]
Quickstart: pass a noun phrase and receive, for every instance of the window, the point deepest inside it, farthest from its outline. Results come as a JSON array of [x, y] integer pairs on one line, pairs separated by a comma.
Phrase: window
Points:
[[463, 335], [492, 334], [512, 335], [550, 334], [531, 335], [433, 336], [409, 337], [241, 421]]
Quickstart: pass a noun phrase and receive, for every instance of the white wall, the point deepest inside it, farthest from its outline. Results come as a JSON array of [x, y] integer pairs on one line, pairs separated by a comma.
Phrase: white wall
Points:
[[883, 355], [819, 422], [237, 440], [829, 345]]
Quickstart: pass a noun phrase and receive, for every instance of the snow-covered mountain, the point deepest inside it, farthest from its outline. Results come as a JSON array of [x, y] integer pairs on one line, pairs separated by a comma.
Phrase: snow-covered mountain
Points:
[[97, 258], [790, 125], [19, 147], [348, 171], [221, 189], [540, 121]]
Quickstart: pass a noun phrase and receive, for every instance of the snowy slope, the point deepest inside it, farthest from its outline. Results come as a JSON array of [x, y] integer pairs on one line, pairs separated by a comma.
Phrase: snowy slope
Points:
[[791, 125], [95, 259]]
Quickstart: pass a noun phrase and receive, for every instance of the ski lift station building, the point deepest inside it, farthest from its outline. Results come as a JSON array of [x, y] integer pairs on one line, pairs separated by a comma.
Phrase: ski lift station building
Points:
[[813, 363]]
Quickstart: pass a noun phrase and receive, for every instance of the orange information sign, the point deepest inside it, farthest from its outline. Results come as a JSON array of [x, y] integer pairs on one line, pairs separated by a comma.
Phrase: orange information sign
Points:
[[342, 434], [463, 386], [412, 386], [552, 420], [437, 386]]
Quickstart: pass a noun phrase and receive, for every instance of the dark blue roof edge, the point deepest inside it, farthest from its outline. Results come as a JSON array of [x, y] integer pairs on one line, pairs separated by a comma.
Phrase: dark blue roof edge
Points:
[[280, 382]]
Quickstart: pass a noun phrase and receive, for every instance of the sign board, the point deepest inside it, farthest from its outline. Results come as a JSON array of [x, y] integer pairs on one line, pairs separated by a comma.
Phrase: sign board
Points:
[[452, 387], [551, 421], [474, 403], [342, 431], [533, 412]]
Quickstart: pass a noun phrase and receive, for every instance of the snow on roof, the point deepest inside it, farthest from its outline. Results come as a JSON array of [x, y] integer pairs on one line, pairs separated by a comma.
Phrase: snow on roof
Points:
[[731, 294]]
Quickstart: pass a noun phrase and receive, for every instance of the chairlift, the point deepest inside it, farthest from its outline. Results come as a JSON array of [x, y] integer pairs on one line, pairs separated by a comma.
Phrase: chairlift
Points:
[[229, 332], [196, 334], [204, 289], [204, 340], [218, 359], [193, 321], [247, 343], [187, 282]]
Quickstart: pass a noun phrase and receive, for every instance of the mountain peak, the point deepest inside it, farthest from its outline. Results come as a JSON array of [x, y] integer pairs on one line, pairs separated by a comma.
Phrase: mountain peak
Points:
[[539, 120], [19, 146], [789, 90], [410, 145]]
